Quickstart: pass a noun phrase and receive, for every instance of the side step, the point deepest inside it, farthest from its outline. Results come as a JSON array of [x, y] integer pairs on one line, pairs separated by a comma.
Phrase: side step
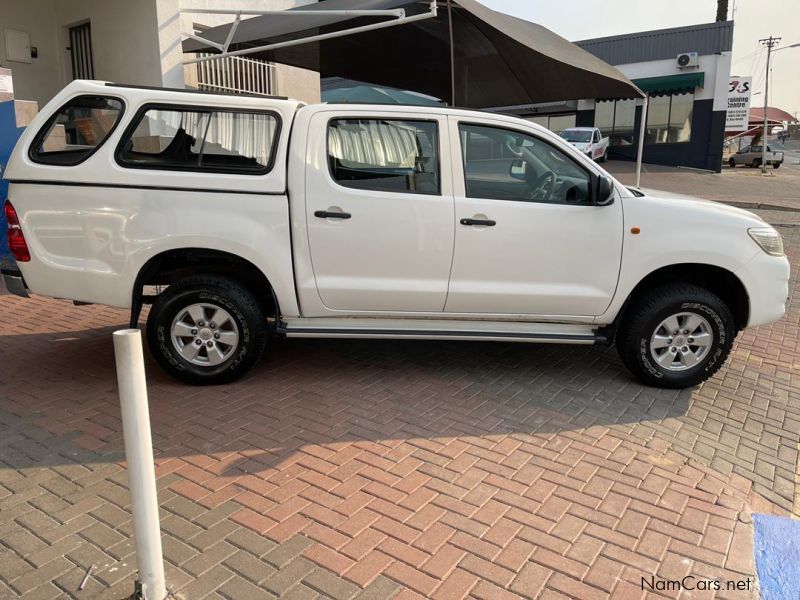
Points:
[[424, 329]]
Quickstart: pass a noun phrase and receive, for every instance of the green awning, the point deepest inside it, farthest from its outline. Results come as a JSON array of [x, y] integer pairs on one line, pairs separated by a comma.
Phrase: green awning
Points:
[[671, 83]]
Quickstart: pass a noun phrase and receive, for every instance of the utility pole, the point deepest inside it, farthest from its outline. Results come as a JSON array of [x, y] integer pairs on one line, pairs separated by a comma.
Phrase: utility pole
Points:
[[770, 43]]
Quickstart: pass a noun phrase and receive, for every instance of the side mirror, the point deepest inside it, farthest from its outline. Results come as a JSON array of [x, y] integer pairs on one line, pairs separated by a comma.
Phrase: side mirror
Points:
[[605, 191], [518, 169]]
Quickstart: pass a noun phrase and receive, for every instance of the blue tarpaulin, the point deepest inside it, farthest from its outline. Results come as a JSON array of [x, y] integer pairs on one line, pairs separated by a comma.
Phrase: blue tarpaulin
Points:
[[9, 134], [777, 554]]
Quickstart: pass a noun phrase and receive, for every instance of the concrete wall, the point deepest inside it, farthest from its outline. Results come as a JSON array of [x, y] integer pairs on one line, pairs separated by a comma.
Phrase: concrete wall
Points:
[[43, 77], [124, 42], [124, 38], [136, 42]]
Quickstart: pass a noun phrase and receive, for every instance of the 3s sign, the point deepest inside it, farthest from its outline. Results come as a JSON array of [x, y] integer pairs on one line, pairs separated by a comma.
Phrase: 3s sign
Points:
[[738, 115]]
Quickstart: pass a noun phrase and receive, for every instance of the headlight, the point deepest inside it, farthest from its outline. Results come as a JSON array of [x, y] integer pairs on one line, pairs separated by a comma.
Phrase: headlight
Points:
[[769, 240]]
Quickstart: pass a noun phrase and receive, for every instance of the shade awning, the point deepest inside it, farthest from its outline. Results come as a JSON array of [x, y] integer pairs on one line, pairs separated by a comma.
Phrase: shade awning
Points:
[[499, 59], [671, 83]]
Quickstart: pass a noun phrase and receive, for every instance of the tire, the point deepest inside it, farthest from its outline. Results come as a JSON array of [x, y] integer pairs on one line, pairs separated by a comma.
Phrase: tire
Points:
[[642, 322], [732, 163], [604, 158], [216, 361], [776, 165], [756, 163]]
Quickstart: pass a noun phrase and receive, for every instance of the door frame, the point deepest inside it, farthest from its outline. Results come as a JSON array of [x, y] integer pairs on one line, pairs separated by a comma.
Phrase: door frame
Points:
[[459, 189], [306, 151]]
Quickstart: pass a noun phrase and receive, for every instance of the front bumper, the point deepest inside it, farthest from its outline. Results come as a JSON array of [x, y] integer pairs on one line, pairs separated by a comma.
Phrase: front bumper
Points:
[[14, 283], [766, 279]]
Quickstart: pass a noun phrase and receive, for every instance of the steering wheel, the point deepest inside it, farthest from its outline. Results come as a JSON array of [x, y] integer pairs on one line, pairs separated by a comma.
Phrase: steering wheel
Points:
[[543, 187]]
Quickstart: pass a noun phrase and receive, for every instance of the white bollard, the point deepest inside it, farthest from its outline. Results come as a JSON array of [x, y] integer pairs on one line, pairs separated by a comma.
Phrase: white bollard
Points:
[[139, 454]]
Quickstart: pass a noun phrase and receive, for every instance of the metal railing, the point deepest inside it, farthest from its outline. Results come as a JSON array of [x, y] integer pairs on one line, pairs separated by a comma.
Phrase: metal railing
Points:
[[237, 75]]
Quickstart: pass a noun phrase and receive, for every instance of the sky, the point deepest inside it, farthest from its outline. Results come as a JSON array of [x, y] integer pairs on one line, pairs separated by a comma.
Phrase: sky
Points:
[[755, 19]]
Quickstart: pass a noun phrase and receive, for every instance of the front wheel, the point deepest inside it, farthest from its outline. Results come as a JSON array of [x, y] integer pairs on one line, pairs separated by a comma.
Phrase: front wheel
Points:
[[676, 335], [776, 165], [207, 330], [732, 163]]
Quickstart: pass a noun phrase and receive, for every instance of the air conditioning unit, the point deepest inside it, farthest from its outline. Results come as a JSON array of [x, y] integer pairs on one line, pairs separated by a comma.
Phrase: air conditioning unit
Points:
[[687, 60]]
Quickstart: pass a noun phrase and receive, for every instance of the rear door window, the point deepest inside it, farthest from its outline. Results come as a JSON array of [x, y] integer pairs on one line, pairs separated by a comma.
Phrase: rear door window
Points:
[[385, 155], [76, 131], [189, 139]]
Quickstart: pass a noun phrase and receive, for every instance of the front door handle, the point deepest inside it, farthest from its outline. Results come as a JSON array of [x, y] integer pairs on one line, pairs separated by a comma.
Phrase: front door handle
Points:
[[326, 214], [486, 222]]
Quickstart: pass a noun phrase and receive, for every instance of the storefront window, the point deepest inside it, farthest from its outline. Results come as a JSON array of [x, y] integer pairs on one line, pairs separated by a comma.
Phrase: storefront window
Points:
[[624, 117], [680, 118], [615, 119], [561, 122], [554, 123], [669, 119], [604, 116]]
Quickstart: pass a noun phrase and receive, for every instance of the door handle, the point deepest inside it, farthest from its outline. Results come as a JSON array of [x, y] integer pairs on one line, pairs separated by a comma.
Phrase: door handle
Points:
[[326, 214], [486, 222]]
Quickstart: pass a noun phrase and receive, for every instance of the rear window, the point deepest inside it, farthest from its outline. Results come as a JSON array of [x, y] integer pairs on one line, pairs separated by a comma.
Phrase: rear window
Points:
[[78, 129], [200, 140]]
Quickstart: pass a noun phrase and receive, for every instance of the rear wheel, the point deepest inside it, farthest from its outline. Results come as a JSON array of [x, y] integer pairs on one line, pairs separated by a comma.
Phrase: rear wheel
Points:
[[604, 158], [756, 163], [676, 335], [207, 330], [776, 165]]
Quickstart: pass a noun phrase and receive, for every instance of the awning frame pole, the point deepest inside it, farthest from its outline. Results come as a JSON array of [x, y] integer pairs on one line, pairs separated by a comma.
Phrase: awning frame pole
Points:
[[452, 55], [401, 19], [640, 150]]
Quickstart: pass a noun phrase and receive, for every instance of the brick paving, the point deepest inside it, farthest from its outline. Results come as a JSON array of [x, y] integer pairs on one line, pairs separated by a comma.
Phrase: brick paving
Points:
[[343, 469]]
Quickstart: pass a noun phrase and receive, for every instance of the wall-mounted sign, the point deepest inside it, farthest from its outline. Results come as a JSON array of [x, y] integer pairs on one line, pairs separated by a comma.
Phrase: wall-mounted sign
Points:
[[6, 82], [738, 115]]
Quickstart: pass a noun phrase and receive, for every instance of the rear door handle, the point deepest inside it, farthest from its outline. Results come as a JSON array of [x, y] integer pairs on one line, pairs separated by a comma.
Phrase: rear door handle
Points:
[[486, 222], [326, 214]]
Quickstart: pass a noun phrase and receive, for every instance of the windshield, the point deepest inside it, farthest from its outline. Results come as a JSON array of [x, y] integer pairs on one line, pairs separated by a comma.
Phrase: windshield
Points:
[[576, 135]]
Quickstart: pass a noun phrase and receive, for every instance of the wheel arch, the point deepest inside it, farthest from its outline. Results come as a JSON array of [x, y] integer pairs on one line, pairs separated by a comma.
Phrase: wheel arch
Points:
[[715, 279], [172, 265]]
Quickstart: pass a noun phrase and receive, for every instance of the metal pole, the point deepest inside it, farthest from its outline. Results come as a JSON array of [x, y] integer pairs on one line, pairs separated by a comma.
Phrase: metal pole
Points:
[[139, 455], [640, 149], [452, 56], [769, 43], [314, 38]]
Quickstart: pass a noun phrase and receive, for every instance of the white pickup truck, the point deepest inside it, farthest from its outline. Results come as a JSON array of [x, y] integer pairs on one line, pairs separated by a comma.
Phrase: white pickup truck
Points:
[[589, 140], [751, 156], [242, 217]]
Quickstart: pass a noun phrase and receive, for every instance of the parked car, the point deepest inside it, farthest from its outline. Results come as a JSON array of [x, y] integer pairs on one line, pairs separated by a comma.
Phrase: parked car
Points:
[[238, 217], [588, 140], [751, 156]]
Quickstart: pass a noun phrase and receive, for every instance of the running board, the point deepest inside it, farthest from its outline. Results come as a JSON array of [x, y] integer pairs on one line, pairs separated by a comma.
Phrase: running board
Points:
[[424, 329]]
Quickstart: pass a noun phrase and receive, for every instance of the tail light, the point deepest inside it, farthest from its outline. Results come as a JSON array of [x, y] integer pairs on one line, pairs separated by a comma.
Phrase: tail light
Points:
[[16, 240]]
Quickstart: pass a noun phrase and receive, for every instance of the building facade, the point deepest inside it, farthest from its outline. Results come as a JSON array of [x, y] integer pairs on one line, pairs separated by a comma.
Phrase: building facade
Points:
[[687, 102], [131, 42]]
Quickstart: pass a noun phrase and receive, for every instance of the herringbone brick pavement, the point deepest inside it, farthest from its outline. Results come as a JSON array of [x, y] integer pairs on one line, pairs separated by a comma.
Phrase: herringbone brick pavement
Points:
[[391, 469]]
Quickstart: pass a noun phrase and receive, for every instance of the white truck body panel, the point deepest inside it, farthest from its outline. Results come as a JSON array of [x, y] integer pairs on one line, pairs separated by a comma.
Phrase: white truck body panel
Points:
[[92, 227]]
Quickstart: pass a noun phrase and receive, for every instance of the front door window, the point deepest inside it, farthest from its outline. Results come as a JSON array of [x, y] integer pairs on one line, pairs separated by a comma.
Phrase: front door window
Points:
[[504, 164]]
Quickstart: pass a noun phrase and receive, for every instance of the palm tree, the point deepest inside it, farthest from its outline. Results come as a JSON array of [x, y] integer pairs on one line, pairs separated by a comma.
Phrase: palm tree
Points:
[[722, 10]]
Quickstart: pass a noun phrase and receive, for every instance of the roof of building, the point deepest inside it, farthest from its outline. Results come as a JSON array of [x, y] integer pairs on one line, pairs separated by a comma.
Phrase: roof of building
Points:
[[774, 115], [662, 44]]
